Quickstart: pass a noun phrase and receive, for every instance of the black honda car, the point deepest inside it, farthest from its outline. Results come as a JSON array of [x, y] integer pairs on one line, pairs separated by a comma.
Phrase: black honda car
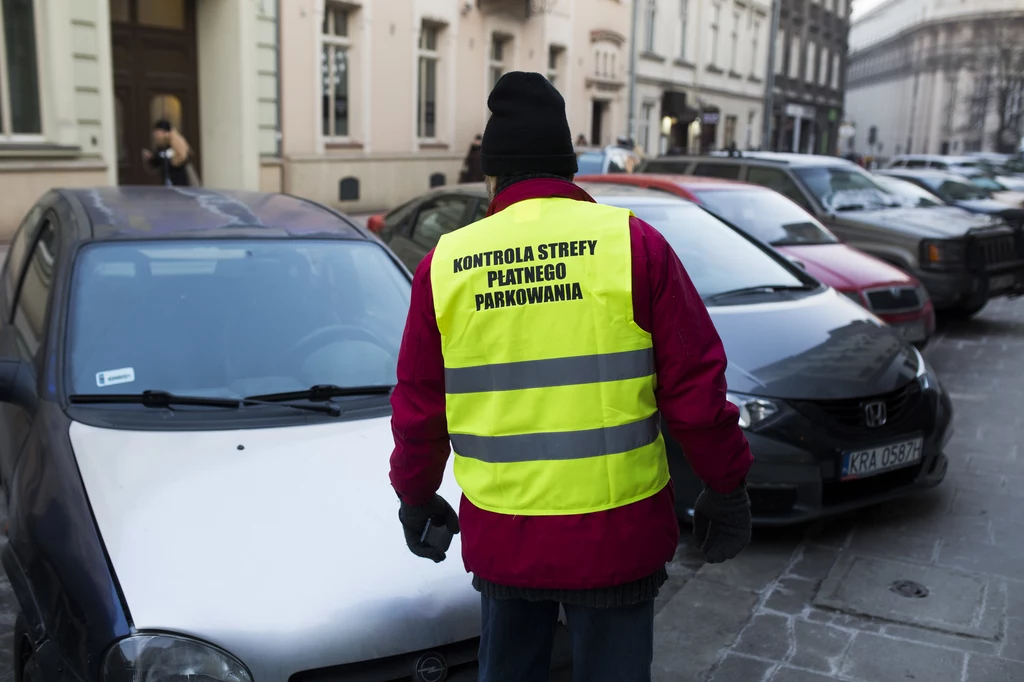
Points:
[[839, 411]]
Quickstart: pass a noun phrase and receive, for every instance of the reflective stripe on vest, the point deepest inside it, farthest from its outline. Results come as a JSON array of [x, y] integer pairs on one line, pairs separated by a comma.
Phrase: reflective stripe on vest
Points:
[[549, 382]]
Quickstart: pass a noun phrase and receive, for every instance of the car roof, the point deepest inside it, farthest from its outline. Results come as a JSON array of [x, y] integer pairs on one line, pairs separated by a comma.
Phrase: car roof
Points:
[[786, 158], [937, 157], [607, 191], [683, 181], [148, 212], [932, 173]]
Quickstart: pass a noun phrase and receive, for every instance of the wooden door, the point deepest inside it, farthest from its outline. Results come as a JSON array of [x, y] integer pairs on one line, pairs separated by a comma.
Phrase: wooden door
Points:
[[155, 76]]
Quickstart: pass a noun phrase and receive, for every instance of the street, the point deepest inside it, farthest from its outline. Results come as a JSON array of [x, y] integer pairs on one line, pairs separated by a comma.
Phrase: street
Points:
[[928, 588]]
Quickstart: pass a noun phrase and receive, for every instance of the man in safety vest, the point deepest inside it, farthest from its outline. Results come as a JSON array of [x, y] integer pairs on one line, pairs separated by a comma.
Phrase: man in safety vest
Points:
[[547, 342]]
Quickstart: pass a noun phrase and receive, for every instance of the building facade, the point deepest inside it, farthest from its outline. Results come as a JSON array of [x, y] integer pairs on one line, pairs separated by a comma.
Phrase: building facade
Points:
[[937, 77], [810, 66], [359, 104], [700, 74]]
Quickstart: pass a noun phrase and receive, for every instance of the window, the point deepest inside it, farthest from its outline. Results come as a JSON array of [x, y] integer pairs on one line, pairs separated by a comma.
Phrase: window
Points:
[[822, 65], [809, 73], [775, 179], [769, 216], [780, 54], [334, 69], [644, 126], [684, 10], [426, 100], [794, 58], [19, 251], [754, 54], [835, 71], [20, 112], [33, 302], [555, 53], [729, 171], [650, 17], [440, 216], [730, 130], [735, 40], [715, 16], [499, 45], [846, 188]]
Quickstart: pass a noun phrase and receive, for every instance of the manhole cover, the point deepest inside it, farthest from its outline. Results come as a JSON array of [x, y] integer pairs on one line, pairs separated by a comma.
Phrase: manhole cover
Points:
[[909, 589]]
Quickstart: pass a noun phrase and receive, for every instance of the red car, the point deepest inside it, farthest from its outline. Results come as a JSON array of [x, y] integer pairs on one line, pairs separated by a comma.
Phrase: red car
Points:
[[890, 293]]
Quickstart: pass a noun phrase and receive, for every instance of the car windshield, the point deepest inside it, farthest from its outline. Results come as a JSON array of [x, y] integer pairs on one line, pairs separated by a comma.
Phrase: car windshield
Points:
[[717, 258], [590, 163], [959, 190], [234, 318], [766, 215], [913, 195], [987, 183], [846, 189]]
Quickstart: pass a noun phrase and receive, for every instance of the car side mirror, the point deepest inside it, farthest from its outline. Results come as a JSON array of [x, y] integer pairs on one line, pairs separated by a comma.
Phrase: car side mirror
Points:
[[16, 382]]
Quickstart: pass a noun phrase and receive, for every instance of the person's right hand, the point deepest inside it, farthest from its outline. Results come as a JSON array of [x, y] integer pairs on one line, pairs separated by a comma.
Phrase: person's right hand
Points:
[[721, 523], [146, 155], [414, 520]]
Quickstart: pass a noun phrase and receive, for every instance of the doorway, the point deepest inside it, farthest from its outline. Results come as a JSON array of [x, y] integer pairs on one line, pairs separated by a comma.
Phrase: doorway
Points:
[[155, 77], [598, 112]]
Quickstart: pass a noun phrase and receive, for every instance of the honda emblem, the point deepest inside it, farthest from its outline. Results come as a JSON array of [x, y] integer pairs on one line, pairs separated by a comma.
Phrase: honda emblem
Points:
[[875, 414]]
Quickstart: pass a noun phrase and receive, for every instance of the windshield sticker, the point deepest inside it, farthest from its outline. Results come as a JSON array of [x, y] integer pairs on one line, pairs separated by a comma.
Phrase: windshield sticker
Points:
[[113, 377]]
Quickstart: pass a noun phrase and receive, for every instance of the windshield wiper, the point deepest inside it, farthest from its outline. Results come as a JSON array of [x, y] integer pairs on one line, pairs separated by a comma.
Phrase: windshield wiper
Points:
[[322, 393], [746, 291], [164, 399], [849, 207]]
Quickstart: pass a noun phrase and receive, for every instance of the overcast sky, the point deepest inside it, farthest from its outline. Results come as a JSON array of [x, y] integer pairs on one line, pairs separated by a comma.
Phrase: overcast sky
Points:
[[862, 6]]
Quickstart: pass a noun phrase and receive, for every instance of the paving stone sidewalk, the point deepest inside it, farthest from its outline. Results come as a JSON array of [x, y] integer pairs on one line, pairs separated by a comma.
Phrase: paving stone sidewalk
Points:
[[813, 604]]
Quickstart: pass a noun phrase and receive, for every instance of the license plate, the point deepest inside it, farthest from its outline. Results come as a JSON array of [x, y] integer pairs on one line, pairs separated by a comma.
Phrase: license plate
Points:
[[912, 331], [1000, 282], [864, 463]]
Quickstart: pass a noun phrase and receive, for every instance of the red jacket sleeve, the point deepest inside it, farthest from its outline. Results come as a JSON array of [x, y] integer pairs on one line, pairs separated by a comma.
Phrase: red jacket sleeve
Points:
[[690, 361], [418, 419]]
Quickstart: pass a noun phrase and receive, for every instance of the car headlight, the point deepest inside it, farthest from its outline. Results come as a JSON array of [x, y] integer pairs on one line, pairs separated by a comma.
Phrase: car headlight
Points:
[[925, 374], [169, 658], [942, 254], [753, 410]]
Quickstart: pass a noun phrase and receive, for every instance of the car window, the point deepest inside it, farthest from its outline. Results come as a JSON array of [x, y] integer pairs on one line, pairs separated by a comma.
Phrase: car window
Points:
[[32, 305], [846, 188], [778, 180], [916, 163], [19, 250], [987, 183], [664, 166], [958, 190], [482, 207], [768, 216], [717, 258], [440, 216], [910, 193], [590, 163], [729, 171], [617, 162], [397, 217], [233, 318]]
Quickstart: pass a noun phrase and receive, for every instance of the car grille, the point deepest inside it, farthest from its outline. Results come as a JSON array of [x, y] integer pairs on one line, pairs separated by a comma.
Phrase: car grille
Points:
[[840, 492], [986, 252], [894, 299], [850, 413], [461, 658]]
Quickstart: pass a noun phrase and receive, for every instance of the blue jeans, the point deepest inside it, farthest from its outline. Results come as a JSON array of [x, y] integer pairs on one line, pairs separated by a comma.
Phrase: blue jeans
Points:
[[608, 645]]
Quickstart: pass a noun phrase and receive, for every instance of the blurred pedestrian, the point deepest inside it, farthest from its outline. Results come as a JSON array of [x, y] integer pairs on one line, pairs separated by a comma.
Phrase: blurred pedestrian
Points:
[[171, 156], [581, 141], [471, 171], [549, 345]]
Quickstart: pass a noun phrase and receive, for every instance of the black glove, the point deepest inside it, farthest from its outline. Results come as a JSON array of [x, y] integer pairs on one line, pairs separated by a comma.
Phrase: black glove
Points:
[[414, 520], [721, 523]]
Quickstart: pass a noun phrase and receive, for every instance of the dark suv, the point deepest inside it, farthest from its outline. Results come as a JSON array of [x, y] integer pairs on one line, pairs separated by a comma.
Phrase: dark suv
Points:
[[963, 259]]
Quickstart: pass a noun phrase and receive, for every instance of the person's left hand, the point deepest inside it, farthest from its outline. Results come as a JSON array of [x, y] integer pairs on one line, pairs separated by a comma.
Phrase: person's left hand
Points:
[[414, 520], [721, 523]]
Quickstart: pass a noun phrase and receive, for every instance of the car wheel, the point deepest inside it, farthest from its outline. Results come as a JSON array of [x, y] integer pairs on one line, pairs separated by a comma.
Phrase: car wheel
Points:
[[22, 646], [962, 312]]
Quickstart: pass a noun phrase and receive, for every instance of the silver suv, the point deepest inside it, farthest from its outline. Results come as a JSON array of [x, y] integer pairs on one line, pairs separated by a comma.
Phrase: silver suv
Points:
[[964, 260]]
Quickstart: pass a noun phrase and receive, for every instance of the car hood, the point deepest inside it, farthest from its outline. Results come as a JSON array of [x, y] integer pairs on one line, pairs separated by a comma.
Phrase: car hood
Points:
[[845, 268], [939, 221], [287, 553], [821, 347], [984, 206]]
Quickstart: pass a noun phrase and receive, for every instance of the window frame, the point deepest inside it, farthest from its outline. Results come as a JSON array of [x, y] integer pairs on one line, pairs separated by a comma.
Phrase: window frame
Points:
[[800, 199], [650, 25], [497, 65], [555, 55], [716, 18], [684, 11], [736, 18], [7, 134], [47, 222], [424, 55], [755, 29], [330, 43]]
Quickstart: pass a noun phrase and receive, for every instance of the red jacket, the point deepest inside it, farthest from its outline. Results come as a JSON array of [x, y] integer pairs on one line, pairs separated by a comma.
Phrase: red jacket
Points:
[[602, 549]]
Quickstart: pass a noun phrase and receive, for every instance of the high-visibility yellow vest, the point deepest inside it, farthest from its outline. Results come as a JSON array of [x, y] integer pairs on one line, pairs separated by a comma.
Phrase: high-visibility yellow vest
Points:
[[549, 381]]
